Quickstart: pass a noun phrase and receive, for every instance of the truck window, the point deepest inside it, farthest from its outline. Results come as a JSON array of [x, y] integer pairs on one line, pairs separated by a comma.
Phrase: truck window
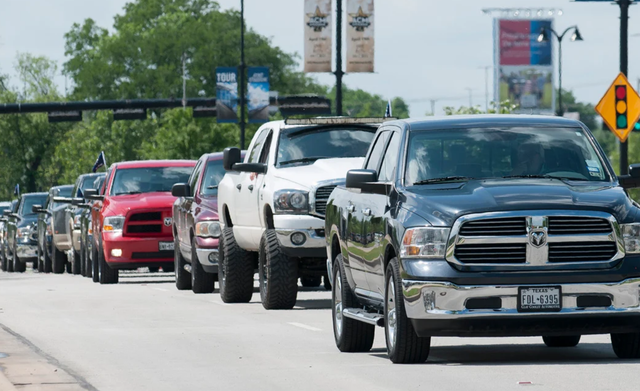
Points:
[[254, 154], [376, 153], [193, 180], [390, 159], [212, 176], [148, 179]]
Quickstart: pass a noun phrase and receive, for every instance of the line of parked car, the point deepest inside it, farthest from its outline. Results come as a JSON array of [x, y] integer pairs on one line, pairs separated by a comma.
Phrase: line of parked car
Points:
[[458, 226]]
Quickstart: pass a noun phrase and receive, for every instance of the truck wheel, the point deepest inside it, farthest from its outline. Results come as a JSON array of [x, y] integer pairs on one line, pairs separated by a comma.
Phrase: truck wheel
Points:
[[94, 263], [565, 341], [67, 267], [201, 281], [58, 259], [278, 274], [86, 259], [183, 280], [107, 274], [83, 265], [76, 266], [18, 266], [311, 281], [327, 283], [46, 259], [236, 269], [3, 262], [9, 261], [40, 261], [403, 344], [626, 345], [351, 335]]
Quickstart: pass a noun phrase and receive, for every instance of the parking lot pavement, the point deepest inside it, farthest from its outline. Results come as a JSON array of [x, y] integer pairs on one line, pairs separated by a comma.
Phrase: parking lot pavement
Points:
[[143, 334]]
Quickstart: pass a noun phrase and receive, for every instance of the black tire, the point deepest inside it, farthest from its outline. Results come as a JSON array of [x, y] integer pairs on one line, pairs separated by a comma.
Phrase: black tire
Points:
[[83, 264], [40, 261], [168, 268], [46, 259], [310, 281], [403, 344], [18, 266], [94, 264], [183, 279], [107, 274], [68, 267], [236, 270], [627, 345], [154, 269], [565, 341], [350, 335], [76, 266], [201, 281], [58, 259], [327, 283], [3, 259], [278, 274], [9, 261], [86, 259]]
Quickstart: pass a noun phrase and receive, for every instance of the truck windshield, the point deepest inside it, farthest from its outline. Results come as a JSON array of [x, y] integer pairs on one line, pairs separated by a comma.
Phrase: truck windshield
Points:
[[28, 202], [148, 179], [478, 153], [62, 192], [311, 144], [212, 176]]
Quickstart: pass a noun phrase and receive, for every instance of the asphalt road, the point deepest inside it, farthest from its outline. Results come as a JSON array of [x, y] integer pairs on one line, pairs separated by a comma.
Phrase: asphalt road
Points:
[[143, 334]]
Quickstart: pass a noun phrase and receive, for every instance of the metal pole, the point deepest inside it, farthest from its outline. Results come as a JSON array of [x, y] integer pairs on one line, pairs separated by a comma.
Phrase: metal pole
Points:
[[486, 89], [470, 97], [624, 62], [560, 109], [242, 86], [339, 72]]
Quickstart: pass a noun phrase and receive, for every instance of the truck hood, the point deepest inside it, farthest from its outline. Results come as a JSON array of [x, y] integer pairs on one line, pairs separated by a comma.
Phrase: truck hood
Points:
[[122, 204], [441, 204], [208, 208], [321, 170]]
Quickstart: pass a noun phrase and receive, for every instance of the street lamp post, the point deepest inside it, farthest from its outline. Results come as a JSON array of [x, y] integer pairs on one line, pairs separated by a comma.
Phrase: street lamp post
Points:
[[242, 66], [544, 37]]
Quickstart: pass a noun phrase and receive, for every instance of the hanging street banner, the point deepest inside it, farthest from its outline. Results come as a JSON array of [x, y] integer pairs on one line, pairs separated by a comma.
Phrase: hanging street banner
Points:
[[258, 95], [227, 94], [360, 40], [523, 67], [317, 35], [620, 107]]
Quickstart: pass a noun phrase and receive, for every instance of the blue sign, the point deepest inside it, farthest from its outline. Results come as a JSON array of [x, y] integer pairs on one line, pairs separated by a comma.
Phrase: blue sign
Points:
[[258, 94], [227, 94]]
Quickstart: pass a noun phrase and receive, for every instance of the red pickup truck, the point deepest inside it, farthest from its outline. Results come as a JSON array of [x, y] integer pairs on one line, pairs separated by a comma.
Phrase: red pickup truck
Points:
[[134, 226]]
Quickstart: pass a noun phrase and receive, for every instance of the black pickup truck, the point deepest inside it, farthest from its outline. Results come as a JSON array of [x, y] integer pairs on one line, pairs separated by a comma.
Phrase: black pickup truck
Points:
[[484, 226]]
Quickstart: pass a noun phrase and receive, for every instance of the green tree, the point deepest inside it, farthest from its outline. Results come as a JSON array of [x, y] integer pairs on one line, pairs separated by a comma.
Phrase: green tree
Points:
[[359, 103]]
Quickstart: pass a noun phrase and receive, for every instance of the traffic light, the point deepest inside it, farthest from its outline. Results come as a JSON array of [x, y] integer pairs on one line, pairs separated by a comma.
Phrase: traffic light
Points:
[[621, 107]]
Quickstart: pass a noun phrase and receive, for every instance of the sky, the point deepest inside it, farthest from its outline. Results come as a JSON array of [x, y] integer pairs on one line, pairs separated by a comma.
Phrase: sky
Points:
[[425, 49]]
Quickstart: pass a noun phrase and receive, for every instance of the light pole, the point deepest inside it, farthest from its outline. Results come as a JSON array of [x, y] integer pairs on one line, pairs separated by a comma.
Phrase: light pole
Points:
[[544, 37], [242, 66], [486, 86]]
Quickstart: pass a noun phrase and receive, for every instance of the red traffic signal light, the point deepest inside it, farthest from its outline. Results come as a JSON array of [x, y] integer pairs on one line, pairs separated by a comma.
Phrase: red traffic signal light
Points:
[[621, 106]]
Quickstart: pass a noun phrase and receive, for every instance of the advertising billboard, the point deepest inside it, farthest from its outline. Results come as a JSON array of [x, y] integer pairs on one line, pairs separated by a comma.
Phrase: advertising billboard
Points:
[[258, 94], [227, 94], [360, 36], [523, 66], [317, 35]]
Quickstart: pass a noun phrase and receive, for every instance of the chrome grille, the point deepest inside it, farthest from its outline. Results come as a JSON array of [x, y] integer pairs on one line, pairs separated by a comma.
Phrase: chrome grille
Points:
[[322, 196], [582, 251], [492, 253], [569, 225], [489, 227]]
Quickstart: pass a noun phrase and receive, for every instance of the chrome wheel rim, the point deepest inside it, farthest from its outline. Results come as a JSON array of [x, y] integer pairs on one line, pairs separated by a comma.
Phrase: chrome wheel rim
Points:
[[337, 304], [391, 314]]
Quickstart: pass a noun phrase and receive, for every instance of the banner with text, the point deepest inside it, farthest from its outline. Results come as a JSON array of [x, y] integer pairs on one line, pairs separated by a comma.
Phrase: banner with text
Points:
[[523, 67], [360, 40], [317, 35], [227, 94], [258, 94]]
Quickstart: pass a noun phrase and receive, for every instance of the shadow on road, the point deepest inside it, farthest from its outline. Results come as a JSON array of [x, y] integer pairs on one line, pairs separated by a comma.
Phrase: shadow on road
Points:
[[518, 354], [317, 304]]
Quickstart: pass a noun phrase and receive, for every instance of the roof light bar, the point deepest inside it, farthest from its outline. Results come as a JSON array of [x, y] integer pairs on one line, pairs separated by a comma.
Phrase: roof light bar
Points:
[[336, 120]]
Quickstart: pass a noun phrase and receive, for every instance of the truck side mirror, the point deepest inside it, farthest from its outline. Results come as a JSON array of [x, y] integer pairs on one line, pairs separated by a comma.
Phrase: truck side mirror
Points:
[[63, 200], [230, 156], [366, 181], [181, 190], [631, 181], [77, 201], [92, 194], [6, 212], [36, 208], [634, 170]]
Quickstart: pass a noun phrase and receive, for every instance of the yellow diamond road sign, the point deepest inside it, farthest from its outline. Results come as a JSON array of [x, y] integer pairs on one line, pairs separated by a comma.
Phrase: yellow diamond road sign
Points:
[[620, 107]]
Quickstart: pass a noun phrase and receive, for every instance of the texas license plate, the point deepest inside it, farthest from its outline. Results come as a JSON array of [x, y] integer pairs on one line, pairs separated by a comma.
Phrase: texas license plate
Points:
[[539, 299], [166, 246]]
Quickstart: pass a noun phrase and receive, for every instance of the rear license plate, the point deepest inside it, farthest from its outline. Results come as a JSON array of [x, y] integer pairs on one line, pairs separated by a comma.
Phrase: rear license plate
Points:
[[539, 299], [166, 246]]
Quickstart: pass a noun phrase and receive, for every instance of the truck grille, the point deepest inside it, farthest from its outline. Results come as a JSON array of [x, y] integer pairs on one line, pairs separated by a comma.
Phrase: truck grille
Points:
[[490, 227], [568, 225], [492, 253], [147, 223], [582, 251], [322, 196]]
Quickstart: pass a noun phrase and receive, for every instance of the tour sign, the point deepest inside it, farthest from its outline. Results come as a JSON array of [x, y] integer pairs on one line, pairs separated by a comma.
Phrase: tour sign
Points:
[[620, 107]]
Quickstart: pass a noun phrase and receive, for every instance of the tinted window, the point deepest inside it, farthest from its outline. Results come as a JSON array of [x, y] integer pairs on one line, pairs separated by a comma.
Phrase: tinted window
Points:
[[390, 159], [316, 143], [376, 152], [193, 180], [147, 180], [28, 202], [212, 176], [500, 152], [87, 183], [3, 208], [254, 155]]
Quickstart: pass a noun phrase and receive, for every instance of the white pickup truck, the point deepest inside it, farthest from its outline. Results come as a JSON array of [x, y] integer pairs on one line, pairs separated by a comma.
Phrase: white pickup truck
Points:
[[272, 205]]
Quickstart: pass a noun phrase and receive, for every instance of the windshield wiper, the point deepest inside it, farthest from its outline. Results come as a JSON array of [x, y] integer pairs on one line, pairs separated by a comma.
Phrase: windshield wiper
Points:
[[304, 160], [128, 193], [443, 179], [538, 176]]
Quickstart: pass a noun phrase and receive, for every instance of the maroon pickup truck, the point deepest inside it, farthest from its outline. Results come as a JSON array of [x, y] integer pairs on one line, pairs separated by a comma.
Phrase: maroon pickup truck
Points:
[[195, 226]]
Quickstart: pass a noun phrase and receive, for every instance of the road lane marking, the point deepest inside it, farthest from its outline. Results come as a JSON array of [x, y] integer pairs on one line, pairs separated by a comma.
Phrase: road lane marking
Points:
[[304, 326]]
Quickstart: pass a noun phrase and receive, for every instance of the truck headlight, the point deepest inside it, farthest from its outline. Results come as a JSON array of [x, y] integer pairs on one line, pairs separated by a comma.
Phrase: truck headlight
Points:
[[425, 242], [631, 236], [208, 229], [113, 224], [291, 201]]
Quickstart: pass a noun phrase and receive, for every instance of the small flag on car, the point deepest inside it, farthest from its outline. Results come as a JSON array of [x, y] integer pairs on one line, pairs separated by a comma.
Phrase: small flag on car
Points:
[[387, 112], [100, 162], [16, 190]]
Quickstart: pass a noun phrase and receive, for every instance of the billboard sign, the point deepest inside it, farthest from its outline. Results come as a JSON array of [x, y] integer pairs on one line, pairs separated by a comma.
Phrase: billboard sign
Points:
[[227, 94], [523, 66], [258, 95], [317, 35], [360, 36]]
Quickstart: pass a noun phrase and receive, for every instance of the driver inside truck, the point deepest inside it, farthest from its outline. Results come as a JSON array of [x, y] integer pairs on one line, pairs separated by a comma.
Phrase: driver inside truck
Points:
[[529, 159]]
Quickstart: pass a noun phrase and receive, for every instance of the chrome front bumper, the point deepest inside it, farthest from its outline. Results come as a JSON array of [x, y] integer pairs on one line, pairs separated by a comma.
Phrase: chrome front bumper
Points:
[[445, 301], [26, 251], [207, 256], [313, 240]]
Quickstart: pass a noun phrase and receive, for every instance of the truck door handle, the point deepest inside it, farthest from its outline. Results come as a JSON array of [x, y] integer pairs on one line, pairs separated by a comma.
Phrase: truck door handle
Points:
[[366, 212], [250, 188], [239, 186], [351, 208]]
